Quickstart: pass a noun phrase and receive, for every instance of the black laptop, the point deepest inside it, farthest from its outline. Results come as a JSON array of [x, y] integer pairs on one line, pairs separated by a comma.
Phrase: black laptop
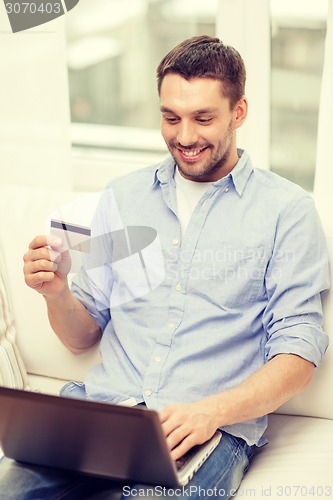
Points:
[[102, 439]]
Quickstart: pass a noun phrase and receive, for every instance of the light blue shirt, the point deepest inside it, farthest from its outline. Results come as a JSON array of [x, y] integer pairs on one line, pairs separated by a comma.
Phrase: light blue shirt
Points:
[[242, 285]]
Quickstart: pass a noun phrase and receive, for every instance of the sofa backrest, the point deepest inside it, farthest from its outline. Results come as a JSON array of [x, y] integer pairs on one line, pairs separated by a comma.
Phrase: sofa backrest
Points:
[[24, 214]]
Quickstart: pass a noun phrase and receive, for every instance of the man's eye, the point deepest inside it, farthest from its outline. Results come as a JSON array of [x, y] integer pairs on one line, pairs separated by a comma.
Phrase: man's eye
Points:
[[171, 119], [204, 120]]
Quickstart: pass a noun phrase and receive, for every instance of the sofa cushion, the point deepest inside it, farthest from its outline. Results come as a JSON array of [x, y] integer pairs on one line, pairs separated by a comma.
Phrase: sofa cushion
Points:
[[12, 371], [296, 462]]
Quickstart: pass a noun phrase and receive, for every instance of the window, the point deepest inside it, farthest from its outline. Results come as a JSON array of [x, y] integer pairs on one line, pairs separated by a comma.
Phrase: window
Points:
[[298, 41]]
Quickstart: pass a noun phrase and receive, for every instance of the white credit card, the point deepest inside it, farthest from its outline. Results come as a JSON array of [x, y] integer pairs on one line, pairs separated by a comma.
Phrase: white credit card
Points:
[[73, 236]]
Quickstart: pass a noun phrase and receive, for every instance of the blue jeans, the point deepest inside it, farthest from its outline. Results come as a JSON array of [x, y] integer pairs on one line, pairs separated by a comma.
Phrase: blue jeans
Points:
[[219, 477]]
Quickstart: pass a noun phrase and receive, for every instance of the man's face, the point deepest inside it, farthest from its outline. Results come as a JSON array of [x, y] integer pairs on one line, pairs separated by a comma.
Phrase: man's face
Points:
[[198, 126]]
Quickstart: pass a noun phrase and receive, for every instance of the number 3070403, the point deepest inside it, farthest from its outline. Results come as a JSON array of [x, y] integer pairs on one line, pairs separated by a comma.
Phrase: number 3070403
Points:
[[33, 8]]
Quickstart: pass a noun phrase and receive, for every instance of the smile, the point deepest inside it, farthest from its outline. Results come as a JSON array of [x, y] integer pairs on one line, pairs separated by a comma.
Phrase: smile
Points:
[[191, 154]]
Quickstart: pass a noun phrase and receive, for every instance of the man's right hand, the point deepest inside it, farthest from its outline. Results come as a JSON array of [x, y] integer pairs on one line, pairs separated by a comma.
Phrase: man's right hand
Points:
[[46, 266]]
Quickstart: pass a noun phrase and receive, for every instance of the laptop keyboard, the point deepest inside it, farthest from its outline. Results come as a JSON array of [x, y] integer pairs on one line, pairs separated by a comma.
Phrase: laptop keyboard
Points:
[[182, 461]]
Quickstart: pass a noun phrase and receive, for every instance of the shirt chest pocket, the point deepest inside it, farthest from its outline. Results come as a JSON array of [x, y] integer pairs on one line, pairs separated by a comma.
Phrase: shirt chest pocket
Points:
[[231, 277]]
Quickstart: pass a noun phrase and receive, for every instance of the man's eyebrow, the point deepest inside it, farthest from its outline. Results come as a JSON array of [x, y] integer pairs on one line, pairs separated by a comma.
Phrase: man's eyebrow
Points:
[[164, 109], [203, 111]]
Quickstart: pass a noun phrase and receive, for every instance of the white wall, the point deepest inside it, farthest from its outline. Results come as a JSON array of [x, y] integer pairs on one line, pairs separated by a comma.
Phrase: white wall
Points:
[[34, 109], [324, 168]]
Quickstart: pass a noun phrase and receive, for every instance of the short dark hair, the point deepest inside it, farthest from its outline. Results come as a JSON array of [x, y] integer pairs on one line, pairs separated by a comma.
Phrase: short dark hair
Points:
[[206, 57]]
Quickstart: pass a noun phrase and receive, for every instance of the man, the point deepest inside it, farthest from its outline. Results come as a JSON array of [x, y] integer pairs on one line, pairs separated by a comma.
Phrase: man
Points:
[[234, 330]]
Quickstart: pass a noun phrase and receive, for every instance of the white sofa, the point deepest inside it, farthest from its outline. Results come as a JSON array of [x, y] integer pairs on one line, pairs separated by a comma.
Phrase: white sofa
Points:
[[297, 463]]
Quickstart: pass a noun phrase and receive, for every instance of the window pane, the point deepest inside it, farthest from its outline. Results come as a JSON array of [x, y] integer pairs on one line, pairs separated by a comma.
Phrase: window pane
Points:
[[298, 41], [114, 47]]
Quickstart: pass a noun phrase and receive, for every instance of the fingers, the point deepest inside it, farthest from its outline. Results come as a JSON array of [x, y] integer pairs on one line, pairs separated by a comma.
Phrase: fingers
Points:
[[42, 260], [181, 440], [43, 241], [183, 427], [189, 424], [44, 249]]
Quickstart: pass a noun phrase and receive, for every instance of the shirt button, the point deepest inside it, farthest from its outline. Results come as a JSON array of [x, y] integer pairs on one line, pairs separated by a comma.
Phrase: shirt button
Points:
[[158, 359], [226, 190], [148, 392], [171, 326], [178, 287], [175, 241]]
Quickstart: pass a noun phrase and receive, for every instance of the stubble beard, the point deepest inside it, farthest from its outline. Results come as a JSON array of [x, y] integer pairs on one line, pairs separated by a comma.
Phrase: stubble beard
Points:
[[216, 163]]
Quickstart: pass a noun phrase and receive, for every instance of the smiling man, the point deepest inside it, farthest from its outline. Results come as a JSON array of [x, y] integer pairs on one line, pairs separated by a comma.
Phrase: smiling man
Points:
[[235, 328], [198, 125]]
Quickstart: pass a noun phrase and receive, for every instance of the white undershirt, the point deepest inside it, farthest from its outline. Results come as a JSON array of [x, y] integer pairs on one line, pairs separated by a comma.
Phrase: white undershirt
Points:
[[188, 194]]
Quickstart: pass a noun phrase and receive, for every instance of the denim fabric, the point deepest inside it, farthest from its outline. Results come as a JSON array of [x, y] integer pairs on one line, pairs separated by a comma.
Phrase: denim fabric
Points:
[[219, 477]]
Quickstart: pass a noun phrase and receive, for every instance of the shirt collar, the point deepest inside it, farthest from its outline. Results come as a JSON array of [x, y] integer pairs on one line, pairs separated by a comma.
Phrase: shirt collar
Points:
[[164, 171], [240, 174]]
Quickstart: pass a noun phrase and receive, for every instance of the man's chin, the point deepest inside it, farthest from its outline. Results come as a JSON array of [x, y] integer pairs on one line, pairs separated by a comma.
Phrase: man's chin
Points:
[[195, 173]]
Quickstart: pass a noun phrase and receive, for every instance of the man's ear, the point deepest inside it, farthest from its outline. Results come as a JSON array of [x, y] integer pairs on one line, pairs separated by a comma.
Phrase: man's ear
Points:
[[240, 112]]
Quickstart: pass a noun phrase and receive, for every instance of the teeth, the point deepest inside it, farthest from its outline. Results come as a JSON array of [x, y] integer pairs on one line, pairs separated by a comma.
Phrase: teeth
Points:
[[191, 153]]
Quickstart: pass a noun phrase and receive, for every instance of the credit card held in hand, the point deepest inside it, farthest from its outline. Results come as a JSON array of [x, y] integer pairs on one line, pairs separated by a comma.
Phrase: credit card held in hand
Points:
[[73, 236]]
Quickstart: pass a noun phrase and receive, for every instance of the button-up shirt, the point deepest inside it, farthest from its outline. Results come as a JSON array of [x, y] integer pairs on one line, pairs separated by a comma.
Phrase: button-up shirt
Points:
[[187, 316]]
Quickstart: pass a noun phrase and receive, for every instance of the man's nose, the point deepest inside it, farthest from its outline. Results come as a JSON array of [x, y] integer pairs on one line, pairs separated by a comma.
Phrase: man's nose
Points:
[[187, 134]]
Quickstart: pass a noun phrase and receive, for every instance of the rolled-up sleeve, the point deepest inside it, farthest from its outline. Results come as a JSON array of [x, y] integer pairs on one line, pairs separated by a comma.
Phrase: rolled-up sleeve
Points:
[[297, 275], [90, 293]]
